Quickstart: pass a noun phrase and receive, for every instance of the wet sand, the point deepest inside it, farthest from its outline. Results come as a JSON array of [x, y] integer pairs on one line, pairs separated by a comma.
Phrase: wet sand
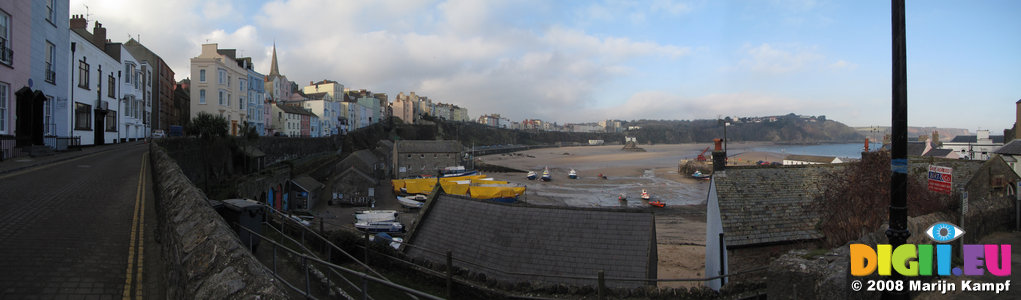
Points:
[[680, 226]]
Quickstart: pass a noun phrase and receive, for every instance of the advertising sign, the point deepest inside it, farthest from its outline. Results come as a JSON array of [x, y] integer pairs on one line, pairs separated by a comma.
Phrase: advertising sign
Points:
[[940, 179]]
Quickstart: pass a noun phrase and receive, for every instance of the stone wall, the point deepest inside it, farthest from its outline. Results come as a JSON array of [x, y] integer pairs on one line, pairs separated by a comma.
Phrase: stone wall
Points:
[[204, 256], [281, 148]]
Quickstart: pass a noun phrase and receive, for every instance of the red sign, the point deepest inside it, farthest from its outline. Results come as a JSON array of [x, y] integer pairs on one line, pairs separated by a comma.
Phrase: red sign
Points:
[[940, 179]]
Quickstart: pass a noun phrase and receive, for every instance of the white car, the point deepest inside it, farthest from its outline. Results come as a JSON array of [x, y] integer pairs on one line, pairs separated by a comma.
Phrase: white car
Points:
[[158, 134]]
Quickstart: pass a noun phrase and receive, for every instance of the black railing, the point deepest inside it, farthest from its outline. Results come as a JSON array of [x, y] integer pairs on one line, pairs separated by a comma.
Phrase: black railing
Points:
[[51, 76], [8, 147], [63, 143], [6, 53]]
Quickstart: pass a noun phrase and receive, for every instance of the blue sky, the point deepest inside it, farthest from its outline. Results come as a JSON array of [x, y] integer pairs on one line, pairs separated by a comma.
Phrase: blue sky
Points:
[[582, 61]]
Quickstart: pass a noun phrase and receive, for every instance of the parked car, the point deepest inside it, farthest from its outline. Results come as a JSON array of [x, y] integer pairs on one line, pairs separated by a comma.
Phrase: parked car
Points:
[[158, 134]]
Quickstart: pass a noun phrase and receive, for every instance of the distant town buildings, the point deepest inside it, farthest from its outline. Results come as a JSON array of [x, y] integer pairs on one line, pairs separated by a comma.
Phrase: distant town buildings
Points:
[[979, 146]]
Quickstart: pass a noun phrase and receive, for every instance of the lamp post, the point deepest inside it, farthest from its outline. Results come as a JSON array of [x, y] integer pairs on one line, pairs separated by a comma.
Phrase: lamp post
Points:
[[898, 232], [70, 127]]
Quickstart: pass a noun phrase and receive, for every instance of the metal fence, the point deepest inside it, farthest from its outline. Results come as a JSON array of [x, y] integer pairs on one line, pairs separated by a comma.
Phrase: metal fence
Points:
[[8, 149]]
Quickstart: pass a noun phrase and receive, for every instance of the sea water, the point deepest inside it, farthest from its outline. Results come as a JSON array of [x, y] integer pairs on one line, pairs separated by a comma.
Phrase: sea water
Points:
[[853, 150]]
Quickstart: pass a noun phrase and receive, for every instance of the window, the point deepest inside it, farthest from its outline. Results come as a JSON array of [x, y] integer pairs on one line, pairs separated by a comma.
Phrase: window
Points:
[[50, 128], [223, 76], [49, 11], [136, 78], [6, 54], [5, 89], [202, 96], [111, 121], [241, 103], [202, 75], [110, 82], [51, 74], [82, 116], [228, 80], [228, 99], [83, 74], [127, 73], [221, 97]]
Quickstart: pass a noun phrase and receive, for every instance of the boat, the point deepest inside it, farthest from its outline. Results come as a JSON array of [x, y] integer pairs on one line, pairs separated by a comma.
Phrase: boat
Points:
[[380, 226], [545, 175], [376, 215], [645, 195], [622, 197], [657, 203], [410, 202], [573, 174], [531, 175], [699, 175], [457, 171]]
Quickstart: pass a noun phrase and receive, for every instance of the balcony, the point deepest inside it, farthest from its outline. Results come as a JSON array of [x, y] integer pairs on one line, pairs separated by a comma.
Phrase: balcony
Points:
[[51, 76], [6, 53]]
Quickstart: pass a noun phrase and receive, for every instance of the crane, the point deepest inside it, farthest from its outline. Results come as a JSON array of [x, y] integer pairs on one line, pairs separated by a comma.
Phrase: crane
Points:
[[701, 156]]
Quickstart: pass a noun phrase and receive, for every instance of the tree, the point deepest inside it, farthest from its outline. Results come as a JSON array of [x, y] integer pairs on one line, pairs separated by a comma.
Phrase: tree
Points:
[[207, 126]]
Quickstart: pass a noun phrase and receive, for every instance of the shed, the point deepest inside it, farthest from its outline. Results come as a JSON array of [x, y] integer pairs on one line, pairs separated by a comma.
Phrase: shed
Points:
[[305, 192]]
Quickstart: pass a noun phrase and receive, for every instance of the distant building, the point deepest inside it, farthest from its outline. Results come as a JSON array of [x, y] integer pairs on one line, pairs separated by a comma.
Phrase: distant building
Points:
[[414, 157], [287, 120], [306, 192], [159, 81], [1011, 153], [795, 159], [979, 146], [222, 86], [95, 90], [404, 107]]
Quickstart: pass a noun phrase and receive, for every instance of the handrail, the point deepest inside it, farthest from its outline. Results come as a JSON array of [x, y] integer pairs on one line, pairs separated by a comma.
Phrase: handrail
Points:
[[310, 251], [364, 276]]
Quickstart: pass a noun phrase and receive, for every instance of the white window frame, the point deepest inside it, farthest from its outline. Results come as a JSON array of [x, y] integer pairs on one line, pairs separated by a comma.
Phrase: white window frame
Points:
[[5, 35], [202, 75], [202, 96], [5, 100]]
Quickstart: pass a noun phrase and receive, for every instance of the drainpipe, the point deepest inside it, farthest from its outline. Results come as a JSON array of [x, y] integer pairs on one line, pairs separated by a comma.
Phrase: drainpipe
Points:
[[72, 108]]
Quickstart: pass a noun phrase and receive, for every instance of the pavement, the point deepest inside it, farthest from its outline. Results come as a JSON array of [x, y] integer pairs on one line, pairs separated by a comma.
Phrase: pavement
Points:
[[80, 225]]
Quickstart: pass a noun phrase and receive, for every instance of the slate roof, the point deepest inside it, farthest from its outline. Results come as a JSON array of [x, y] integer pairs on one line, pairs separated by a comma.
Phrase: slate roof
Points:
[[811, 158], [316, 96], [963, 169], [291, 109], [538, 240], [997, 139], [938, 152], [363, 160], [428, 146], [307, 183], [1012, 148], [763, 205], [915, 148]]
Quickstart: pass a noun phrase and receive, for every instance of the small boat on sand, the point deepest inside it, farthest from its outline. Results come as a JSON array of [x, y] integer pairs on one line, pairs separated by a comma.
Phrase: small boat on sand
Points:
[[545, 175], [410, 202], [531, 175], [699, 175], [573, 174], [381, 226], [376, 215], [657, 203], [645, 195]]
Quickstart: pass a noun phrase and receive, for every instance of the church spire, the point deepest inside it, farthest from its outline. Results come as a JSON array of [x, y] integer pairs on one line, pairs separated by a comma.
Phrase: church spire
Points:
[[273, 69]]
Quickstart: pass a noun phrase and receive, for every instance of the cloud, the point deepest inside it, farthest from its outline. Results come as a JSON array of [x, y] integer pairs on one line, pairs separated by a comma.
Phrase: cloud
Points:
[[670, 106], [771, 59], [843, 65]]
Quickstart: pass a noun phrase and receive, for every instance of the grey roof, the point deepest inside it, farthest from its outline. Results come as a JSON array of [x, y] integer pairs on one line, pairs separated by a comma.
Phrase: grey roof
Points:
[[1012, 148], [363, 160], [316, 96], [762, 205], [916, 148], [811, 158], [428, 146], [252, 151], [997, 139], [307, 183], [938, 152], [291, 109], [538, 240]]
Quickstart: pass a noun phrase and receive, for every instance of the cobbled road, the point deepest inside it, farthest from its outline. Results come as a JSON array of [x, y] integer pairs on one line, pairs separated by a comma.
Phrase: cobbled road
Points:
[[81, 229]]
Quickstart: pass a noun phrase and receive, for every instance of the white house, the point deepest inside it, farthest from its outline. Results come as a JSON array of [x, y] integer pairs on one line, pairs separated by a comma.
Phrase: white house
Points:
[[131, 102], [795, 159], [94, 109], [979, 146]]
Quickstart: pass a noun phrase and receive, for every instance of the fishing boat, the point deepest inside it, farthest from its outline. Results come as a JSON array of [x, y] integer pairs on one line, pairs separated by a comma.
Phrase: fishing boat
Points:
[[457, 171], [376, 215], [545, 175], [410, 202], [573, 174], [380, 226], [657, 203], [699, 175], [531, 175], [645, 195]]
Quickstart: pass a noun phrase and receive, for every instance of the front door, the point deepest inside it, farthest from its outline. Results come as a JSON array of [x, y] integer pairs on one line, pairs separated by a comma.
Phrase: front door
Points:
[[29, 112], [100, 128]]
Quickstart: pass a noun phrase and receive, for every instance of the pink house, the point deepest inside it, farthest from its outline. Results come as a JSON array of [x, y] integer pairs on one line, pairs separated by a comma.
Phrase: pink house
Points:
[[15, 69]]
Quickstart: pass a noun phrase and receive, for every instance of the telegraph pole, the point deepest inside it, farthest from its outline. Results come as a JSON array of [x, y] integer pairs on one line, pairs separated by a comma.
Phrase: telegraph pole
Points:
[[898, 233]]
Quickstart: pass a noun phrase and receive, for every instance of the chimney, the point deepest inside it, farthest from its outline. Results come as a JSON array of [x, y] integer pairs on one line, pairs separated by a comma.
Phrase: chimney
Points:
[[1017, 120], [79, 22], [99, 35], [719, 157]]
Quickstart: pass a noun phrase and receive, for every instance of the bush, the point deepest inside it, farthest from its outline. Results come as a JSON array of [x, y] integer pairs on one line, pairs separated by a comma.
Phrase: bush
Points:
[[207, 126]]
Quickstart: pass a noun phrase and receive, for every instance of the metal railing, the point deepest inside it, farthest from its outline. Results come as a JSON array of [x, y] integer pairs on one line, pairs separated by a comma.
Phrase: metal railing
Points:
[[308, 259], [6, 53], [9, 149]]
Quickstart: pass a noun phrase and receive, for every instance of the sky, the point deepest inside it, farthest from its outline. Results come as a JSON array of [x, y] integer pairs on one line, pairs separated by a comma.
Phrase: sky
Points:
[[585, 61]]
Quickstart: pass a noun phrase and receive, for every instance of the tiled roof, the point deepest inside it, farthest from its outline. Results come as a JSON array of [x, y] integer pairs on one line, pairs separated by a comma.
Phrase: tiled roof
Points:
[[316, 96], [428, 146], [916, 148], [963, 169], [538, 240], [1012, 148], [938, 152], [291, 109], [811, 158], [761, 205], [997, 139], [307, 183]]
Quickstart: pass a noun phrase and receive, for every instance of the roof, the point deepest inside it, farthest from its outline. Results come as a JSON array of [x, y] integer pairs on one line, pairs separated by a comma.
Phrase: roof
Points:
[[428, 146], [762, 205], [291, 109], [317, 96], [252, 151], [307, 183], [538, 240], [811, 158], [938, 152], [997, 139], [1012, 148], [916, 148], [363, 160], [963, 169]]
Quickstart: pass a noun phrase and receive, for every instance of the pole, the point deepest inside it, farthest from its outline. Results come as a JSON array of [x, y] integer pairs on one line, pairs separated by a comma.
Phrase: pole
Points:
[[450, 274], [723, 263], [601, 286], [898, 232]]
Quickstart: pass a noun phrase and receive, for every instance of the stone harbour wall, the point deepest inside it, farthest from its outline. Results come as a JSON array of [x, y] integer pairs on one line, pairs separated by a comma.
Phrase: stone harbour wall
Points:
[[204, 257]]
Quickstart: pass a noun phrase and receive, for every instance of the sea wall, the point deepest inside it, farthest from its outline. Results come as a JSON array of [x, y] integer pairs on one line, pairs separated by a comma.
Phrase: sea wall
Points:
[[204, 257]]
